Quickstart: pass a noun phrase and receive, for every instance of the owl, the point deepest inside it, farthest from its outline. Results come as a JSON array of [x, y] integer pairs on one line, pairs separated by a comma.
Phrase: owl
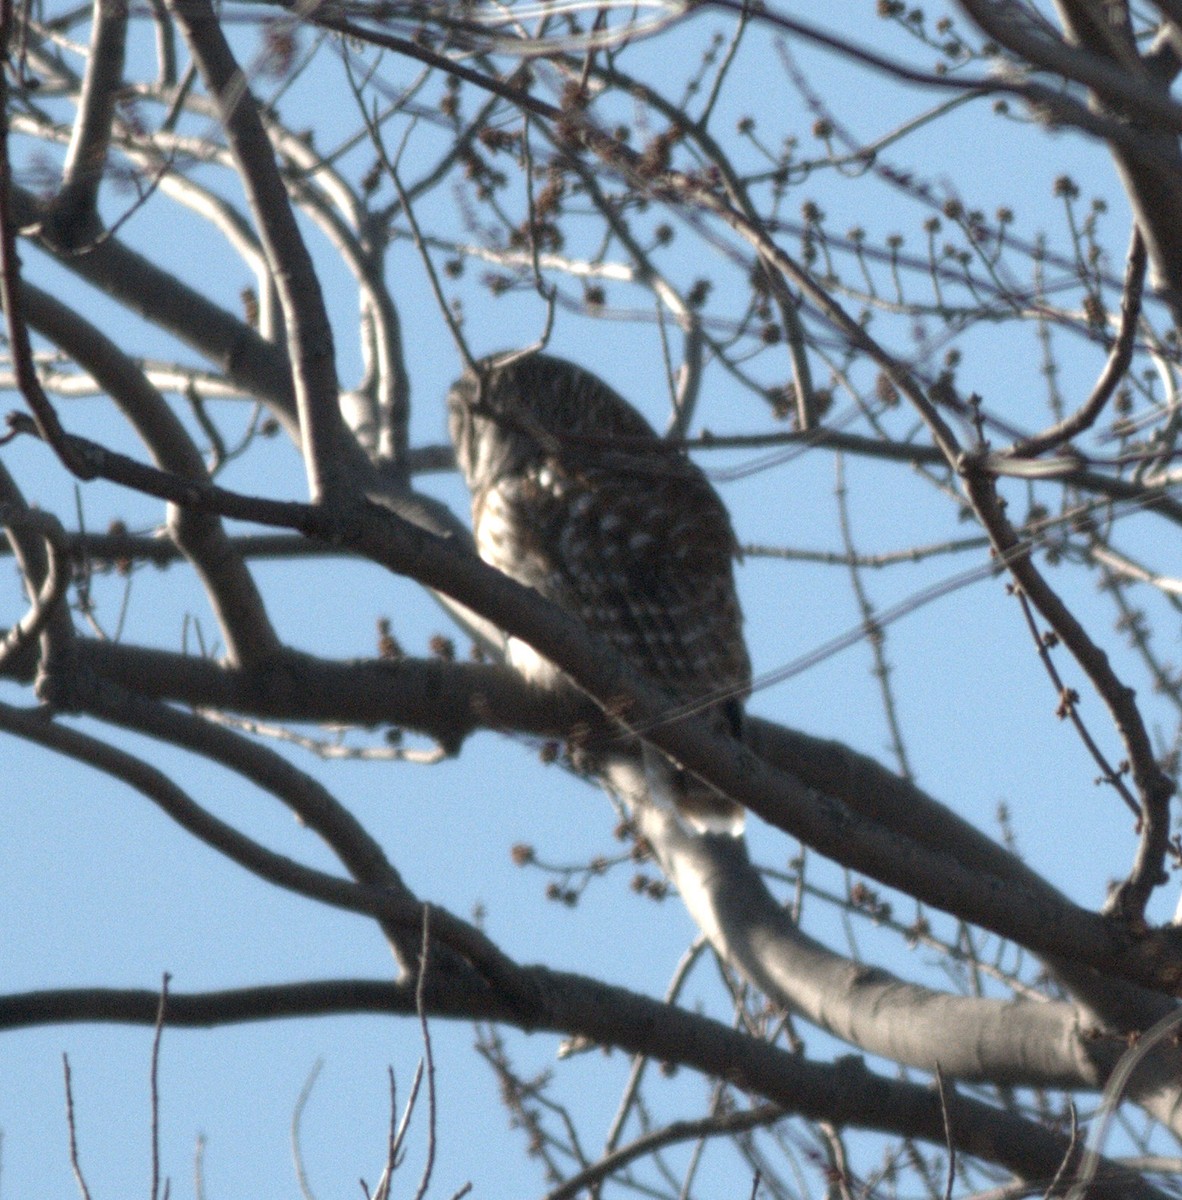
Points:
[[575, 495]]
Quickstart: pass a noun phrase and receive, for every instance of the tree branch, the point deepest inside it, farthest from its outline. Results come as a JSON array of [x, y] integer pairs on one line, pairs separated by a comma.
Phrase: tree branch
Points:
[[1154, 786], [241, 613], [19, 522], [1115, 368], [73, 218], [387, 899], [142, 287], [844, 1093], [872, 1009], [309, 335]]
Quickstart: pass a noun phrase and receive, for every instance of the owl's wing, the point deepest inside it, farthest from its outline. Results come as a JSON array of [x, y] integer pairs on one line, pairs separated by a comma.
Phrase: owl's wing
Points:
[[645, 558]]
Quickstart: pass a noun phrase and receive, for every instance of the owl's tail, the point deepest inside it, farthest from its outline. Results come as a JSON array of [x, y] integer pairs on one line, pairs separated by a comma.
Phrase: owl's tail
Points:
[[697, 804]]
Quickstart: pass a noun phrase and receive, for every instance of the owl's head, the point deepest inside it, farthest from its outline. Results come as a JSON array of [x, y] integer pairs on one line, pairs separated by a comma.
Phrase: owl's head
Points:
[[517, 410]]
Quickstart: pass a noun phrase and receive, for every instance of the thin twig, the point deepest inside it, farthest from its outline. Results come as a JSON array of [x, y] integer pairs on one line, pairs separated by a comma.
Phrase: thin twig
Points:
[[1154, 787], [385, 1180], [408, 1108], [1069, 704], [453, 324], [199, 1168], [297, 1116], [154, 1083], [429, 1058], [1119, 358], [949, 1144], [640, 1063], [875, 632], [72, 1127], [675, 1133]]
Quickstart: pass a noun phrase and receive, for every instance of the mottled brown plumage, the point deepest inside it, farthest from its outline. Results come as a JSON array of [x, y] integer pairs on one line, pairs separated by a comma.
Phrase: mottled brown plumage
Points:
[[575, 495]]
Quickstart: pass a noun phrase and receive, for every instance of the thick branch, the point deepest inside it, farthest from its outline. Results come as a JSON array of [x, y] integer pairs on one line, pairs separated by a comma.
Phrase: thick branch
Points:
[[845, 1093], [1035, 1044], [445, 701], [969, 1037], [309, 335], [73, 216], [1038, 922], [449, 701]]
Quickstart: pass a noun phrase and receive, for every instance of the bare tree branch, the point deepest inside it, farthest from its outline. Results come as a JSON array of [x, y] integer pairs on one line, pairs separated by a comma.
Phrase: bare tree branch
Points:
[[844, 1093], [21, 521], [73, 216], [233, 594], [145, 288], [1115, 368], [309, 336]]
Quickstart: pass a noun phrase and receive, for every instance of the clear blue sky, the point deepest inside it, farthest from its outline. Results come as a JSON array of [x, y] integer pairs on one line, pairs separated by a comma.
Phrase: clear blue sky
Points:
[[97, 887]]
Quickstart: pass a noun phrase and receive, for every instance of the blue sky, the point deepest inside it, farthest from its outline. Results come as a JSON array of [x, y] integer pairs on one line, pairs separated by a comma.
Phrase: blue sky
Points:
[[100, 888]]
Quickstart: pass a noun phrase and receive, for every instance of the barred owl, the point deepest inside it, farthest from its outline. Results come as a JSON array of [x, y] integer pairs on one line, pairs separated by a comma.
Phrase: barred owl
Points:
[[574, 494]]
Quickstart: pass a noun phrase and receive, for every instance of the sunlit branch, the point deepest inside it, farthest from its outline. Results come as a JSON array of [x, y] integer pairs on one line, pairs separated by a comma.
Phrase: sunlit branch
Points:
[[73, 213], [310, 343], [1123, 566], [749, 929]]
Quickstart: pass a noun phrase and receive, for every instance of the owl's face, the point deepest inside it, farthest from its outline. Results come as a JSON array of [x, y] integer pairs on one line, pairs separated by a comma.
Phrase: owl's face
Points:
[[479, 452], [527, 409]]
